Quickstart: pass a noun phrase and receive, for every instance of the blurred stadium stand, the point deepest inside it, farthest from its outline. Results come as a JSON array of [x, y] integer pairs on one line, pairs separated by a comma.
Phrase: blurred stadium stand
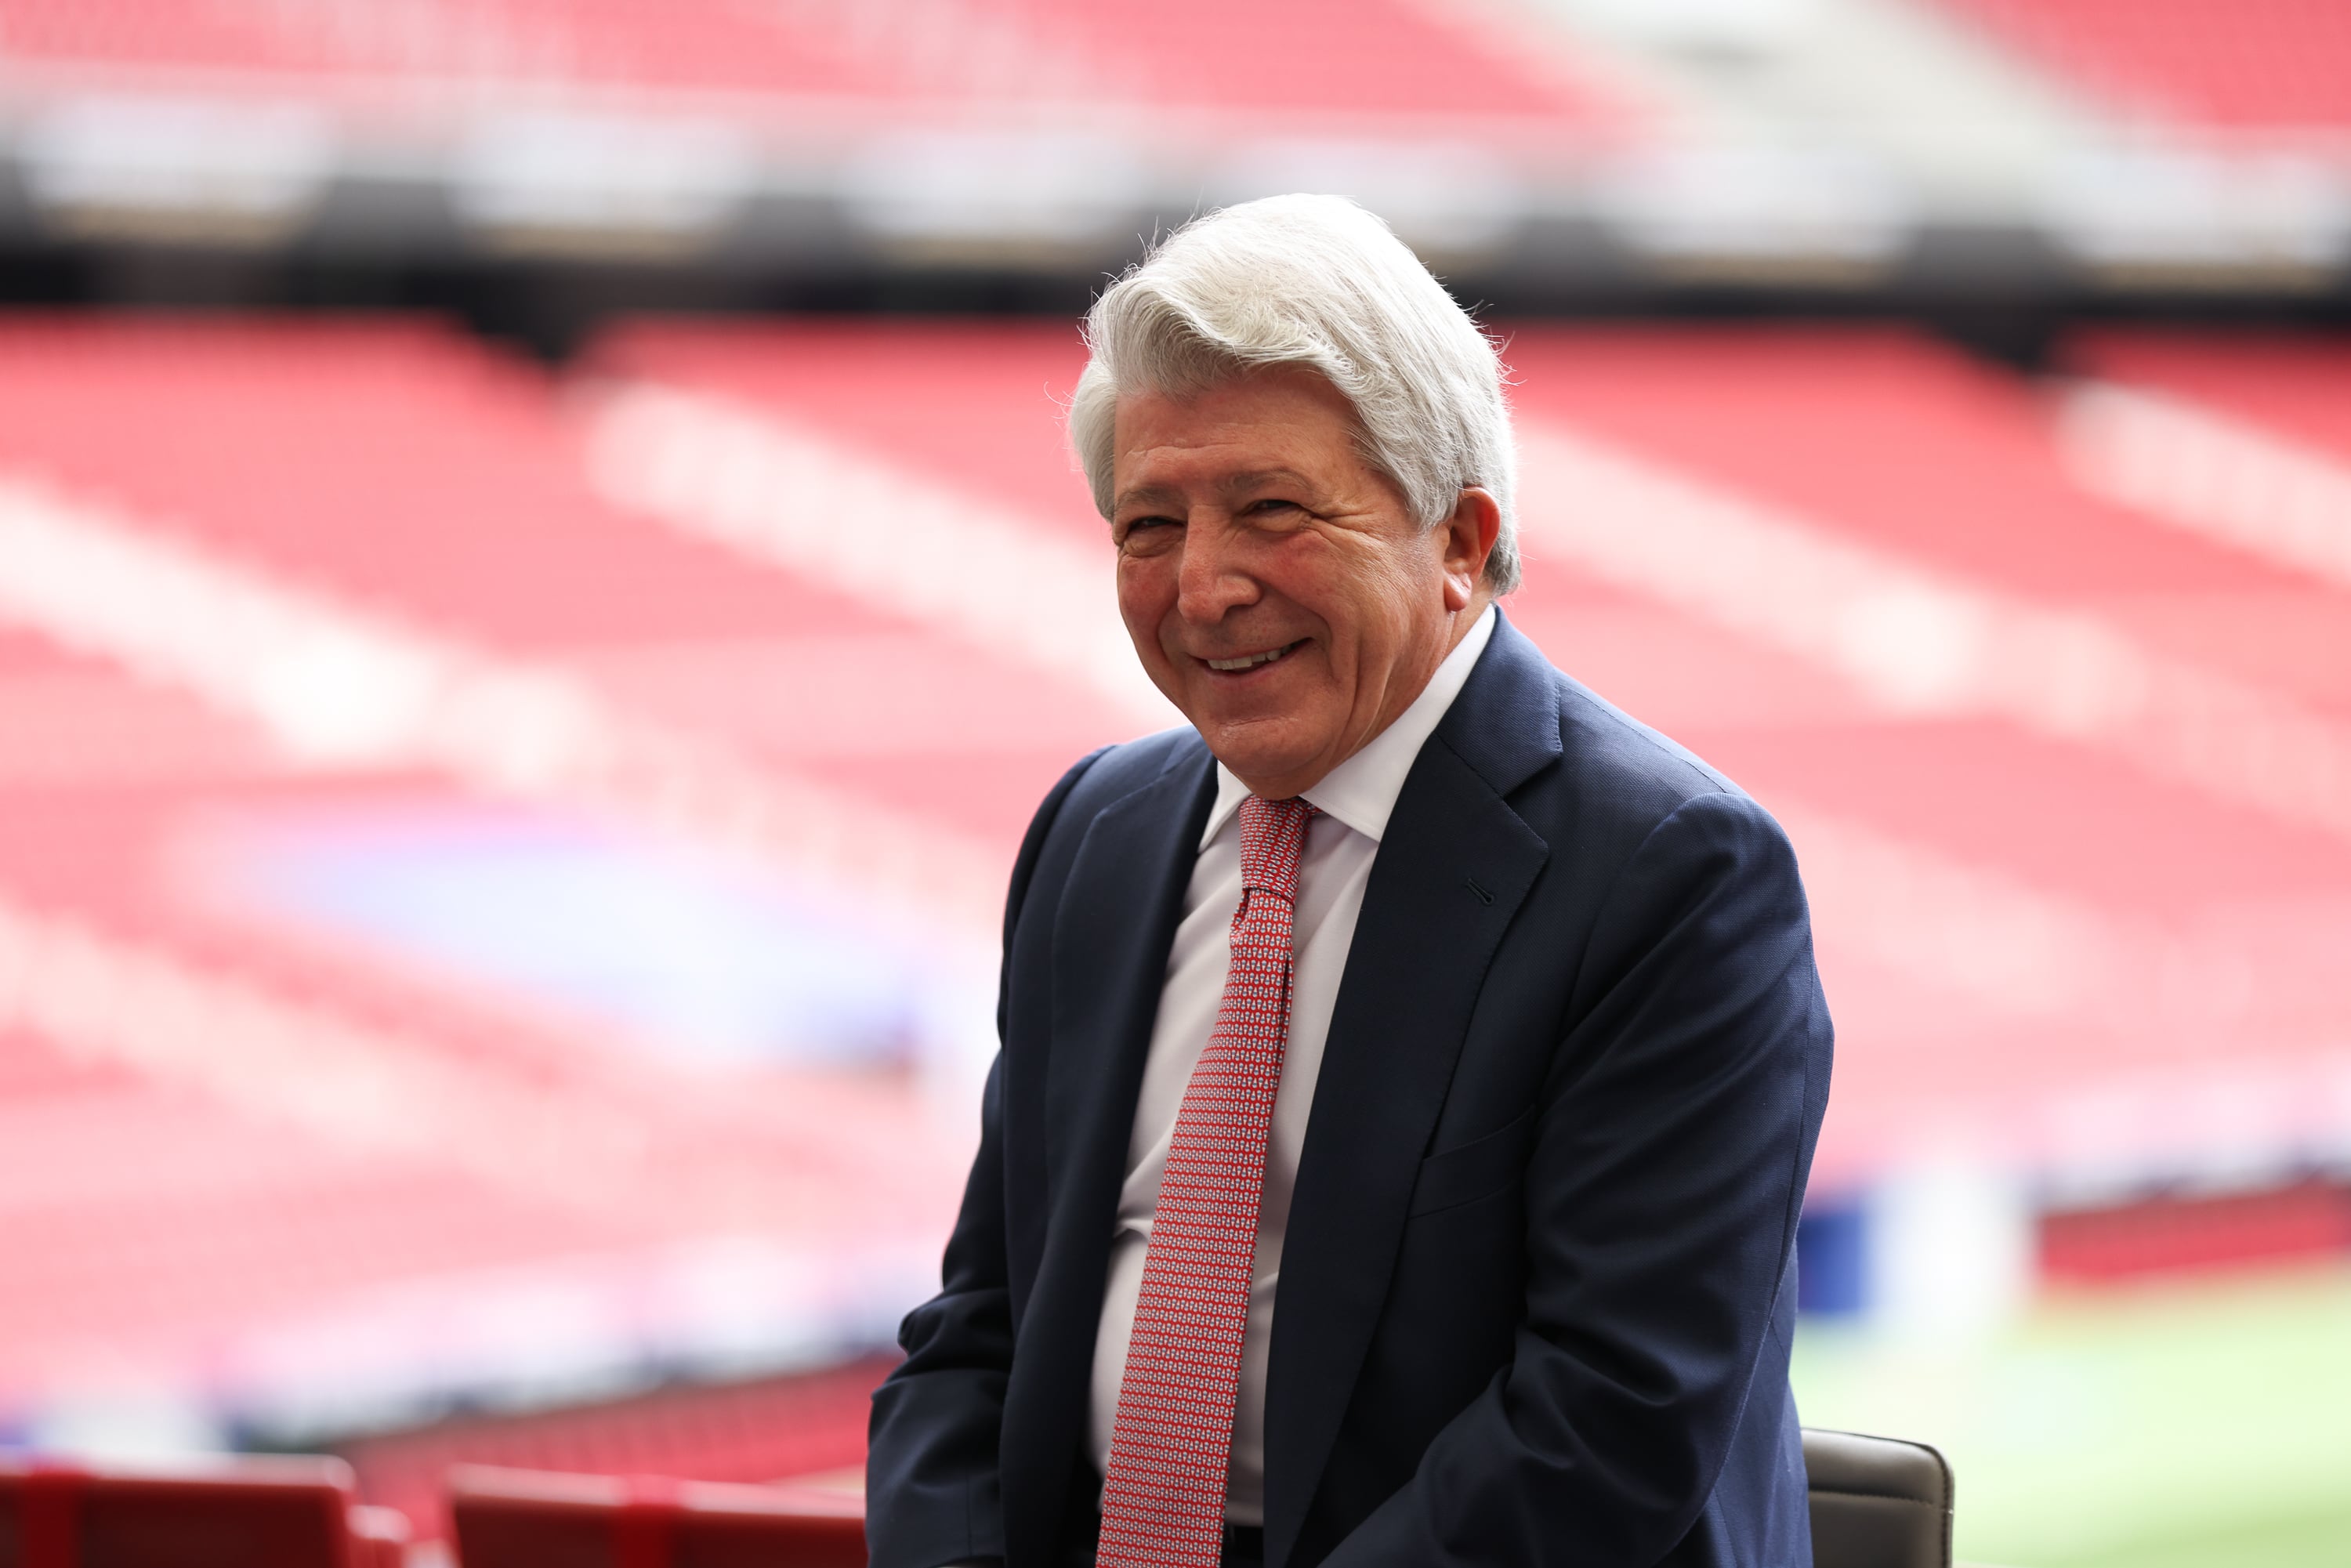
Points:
[[2270, 67], [499, 855], [1545, 152]]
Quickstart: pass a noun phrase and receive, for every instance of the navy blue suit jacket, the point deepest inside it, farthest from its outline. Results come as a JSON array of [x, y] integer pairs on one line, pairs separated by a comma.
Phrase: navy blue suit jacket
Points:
[[1538, 1283]]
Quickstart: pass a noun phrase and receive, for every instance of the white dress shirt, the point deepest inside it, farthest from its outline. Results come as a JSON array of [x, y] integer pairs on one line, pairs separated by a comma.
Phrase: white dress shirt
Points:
[[1355, 800]]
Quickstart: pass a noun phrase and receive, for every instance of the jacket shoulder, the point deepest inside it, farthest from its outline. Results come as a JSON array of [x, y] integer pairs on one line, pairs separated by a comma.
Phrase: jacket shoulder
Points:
[[1093, 783], [1620, 778], [1575, 765], [1119, 771]]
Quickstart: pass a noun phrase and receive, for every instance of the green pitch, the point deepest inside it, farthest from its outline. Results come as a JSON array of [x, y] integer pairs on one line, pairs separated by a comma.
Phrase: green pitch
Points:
[[2205, 1425]]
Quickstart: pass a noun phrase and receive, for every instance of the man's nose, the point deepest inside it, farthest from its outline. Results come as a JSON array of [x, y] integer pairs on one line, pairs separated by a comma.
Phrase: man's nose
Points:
[[1213, 576]]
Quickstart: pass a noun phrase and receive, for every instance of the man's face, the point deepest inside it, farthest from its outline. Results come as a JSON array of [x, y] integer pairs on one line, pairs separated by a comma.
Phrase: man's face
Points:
[[1275, 585]]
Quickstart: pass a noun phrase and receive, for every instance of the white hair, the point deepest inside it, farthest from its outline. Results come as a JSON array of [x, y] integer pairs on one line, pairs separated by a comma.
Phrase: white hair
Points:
[[1315, 281]]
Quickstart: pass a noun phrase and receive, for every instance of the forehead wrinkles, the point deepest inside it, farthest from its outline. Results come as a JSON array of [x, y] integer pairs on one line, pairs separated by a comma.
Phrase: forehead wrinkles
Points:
[[1275, 405], [1224, 460]]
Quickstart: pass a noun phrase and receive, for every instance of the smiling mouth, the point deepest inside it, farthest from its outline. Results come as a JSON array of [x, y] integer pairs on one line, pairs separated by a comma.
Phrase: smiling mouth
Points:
[[1252, 661]]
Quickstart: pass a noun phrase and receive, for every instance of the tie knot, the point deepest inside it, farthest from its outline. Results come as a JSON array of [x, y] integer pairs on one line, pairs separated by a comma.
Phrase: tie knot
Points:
[[1273, 834]]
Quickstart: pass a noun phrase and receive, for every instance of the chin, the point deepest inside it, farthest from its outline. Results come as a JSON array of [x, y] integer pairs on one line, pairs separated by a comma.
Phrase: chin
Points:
[[1258, 760]]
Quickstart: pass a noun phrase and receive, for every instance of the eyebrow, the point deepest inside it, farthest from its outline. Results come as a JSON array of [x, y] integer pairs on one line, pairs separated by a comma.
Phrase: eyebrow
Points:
[[1161, 494], [1142, 494], [1256, 477]]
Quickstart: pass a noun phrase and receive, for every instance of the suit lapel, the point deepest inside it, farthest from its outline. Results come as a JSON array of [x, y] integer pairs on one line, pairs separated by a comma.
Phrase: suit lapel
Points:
[[1115, 922], [1452, 869]]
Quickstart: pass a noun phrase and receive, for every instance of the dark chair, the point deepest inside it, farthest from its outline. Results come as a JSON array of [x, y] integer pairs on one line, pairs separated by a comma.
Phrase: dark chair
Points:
[[1877, 1502]]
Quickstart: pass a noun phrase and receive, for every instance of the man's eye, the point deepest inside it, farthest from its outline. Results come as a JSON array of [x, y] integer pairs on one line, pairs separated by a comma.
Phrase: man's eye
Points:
[[1136, 530]]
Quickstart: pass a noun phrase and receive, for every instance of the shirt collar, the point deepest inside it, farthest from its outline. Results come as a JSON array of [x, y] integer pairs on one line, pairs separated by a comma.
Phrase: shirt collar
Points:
[[1361, 791]]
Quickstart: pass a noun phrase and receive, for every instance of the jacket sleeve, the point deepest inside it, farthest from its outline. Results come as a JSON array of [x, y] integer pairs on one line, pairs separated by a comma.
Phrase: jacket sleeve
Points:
[[931, 1484], [1675, 1132]]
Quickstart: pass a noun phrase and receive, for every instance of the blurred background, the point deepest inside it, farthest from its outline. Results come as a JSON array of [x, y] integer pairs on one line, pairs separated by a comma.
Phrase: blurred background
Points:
[[540, 582]]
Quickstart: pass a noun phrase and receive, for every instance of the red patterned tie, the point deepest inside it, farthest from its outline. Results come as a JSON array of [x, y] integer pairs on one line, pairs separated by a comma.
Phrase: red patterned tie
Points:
[[1163, 1499]]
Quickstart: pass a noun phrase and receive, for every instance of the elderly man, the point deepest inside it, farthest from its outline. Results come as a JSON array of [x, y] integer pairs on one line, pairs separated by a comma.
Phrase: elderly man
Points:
[[1409, 1073]]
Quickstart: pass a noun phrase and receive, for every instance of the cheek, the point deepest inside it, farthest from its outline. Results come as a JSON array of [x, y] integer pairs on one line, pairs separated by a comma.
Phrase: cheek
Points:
[[1362, 599], [1306, 569], [1146, 588]]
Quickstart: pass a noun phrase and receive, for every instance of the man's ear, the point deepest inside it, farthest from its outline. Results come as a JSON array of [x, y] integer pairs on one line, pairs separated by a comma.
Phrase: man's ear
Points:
[[1468, 539]]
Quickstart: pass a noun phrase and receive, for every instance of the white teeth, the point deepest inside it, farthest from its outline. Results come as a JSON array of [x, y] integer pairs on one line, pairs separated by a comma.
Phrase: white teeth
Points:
[[1243, 663]]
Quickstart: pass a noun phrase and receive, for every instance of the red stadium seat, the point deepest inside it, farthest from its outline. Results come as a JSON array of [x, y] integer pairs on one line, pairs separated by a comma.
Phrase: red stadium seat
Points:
[[800, 1423], [537, 1518], [275, 1512]]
